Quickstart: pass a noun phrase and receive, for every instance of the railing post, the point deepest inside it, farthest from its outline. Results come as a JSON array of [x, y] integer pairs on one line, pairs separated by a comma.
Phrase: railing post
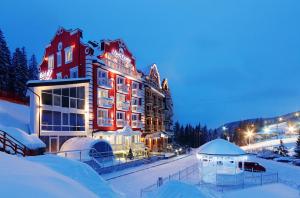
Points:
[[261, 179], [4, 141], [80, 156]]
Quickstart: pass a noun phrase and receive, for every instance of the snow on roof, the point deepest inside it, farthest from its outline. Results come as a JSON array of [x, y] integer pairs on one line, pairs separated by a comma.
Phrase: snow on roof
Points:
[[30, 141], [220, 147], [127, 131], [34, 83], [80, 143]]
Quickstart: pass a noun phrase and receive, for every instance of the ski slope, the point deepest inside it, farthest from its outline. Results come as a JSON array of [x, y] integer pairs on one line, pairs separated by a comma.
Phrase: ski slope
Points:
[[269, 143]]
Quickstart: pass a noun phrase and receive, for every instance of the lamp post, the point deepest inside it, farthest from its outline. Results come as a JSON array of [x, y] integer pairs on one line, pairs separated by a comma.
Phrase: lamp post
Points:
[[249, 134]]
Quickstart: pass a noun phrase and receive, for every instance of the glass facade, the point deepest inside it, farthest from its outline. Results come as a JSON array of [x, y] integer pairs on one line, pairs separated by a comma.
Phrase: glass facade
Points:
[[63, 109]]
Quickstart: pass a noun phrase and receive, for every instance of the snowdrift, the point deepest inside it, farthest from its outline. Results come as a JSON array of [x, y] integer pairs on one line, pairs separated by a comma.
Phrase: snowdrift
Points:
[[22, 178], [14, 115], [30, 141], [79, 172], [177, 189]]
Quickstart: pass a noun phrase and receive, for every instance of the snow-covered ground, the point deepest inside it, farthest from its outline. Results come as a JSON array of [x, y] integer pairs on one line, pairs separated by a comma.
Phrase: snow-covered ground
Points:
[[14, 120], [14, 115], [50, 176], [277, 190], [131, 181]]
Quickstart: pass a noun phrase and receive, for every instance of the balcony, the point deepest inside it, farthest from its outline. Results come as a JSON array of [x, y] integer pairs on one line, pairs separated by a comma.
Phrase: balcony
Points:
[[123, 88], [136, 124], [105, 122], [106, 102], [121, 123], [123, 105], [137, 108], [106, 83], [137, 93]]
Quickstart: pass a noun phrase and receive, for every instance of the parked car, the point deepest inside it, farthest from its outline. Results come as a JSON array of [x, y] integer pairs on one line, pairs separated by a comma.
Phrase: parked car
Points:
[[252, 167]]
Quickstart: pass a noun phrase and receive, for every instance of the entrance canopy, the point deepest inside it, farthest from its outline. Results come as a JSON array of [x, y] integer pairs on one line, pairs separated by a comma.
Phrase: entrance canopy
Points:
[[127, 131]]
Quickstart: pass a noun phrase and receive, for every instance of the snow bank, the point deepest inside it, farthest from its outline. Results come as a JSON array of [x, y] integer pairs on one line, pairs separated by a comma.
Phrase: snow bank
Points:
[[14, 115], [177, 189], [79, 172], [277, 190], [22, 178], [31, 141]]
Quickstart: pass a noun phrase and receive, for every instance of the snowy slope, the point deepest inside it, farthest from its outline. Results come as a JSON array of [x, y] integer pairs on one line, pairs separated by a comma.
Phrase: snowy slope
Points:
[[177, 189], [80, 172], [22, 178], [14, 115], [14, 120]]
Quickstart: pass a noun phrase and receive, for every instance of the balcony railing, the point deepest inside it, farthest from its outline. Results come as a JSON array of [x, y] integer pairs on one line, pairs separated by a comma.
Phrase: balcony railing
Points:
[[104, 82], [136, 124], [137, 108], [123, 105], [105, 122], [137, 93], [121, 123], [122, 68], [106, 102], [123, 88]]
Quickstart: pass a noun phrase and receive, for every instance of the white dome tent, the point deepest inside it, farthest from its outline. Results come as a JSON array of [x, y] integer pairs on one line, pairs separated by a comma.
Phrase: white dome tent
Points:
[[219, 162]]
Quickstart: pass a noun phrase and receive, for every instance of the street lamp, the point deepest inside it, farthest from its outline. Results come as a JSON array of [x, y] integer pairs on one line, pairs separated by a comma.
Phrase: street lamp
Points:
[[249, 134]]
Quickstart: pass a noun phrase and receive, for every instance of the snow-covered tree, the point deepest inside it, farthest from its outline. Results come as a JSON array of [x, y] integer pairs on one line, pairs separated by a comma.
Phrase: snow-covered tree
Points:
[[33, 68], [282, 150], [5, 61], [297, 148]]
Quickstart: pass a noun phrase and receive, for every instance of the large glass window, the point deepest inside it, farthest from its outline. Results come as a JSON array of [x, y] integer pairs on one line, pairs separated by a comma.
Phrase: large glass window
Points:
[[71, 117], [47, 97]]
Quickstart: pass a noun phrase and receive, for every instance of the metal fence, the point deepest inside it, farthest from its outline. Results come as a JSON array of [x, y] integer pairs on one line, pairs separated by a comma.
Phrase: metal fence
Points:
[[192, 175], [189, 174]]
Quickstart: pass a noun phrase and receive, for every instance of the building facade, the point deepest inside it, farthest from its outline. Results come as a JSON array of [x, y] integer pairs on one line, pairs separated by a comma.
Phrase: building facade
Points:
[[116, 96]]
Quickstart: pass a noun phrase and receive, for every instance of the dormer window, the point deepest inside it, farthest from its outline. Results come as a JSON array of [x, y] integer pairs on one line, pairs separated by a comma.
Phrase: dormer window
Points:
[[68, 54], [50, 62]]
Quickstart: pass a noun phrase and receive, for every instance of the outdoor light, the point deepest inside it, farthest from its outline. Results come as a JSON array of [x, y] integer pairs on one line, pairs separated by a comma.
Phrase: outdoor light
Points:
[[224, 128], [280, 119], [297, 114], [291, 129], [267, 130]]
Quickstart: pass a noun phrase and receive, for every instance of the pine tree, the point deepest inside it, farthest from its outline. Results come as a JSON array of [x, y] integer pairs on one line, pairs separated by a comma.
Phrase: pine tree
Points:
[[19, 72], [297, 148], [5, 61], [33, 68], [130, 154]]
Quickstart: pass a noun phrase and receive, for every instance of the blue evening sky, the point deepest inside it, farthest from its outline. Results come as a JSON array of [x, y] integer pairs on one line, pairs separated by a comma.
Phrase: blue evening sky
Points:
[[225, 60]]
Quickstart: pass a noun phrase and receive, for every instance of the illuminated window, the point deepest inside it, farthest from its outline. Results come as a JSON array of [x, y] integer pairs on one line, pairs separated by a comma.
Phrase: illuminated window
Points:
[[102, 93], [51, 62], [121, 97], [58, 59], [68, 54]]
